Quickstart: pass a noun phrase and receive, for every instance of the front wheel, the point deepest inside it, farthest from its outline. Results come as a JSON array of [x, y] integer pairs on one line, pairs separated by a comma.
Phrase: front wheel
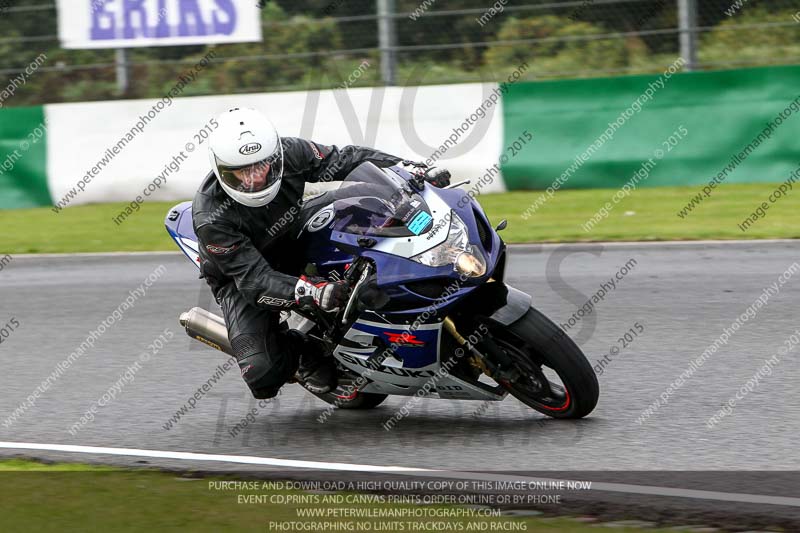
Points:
[[555, 377]]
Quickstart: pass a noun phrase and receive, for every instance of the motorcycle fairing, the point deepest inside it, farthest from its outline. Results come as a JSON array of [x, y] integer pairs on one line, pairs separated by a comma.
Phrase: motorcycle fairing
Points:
[[415, 370], [418, 349], [180, 228]]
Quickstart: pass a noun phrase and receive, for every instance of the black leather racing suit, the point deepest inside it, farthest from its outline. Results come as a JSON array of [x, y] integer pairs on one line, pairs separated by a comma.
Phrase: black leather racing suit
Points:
[[248, 258]]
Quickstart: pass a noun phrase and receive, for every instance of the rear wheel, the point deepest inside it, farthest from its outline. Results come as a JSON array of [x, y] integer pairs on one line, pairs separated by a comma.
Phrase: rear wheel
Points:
[[556, 379]]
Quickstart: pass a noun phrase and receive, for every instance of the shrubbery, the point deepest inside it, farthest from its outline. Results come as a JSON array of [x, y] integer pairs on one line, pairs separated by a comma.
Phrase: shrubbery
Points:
[[756, 46], [561, 47], [551, 57]]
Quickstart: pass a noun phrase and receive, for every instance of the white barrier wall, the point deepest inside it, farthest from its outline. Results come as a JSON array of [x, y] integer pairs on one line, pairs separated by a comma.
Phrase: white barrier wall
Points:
[[407, 122]]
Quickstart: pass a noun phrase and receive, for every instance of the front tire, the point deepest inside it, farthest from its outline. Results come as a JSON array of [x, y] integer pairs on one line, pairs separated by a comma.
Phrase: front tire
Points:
[[534, 342]]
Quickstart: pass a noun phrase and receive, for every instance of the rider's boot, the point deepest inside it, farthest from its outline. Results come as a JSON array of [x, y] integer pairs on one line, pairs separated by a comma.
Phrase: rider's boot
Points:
[[317, 371]]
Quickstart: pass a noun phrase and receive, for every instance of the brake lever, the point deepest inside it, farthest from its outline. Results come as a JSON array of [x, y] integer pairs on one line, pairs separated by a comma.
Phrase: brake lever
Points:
[[459, 184]]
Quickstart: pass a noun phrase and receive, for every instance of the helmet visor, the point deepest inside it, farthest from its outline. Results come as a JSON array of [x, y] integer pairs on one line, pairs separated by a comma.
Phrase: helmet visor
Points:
[[253, 178]]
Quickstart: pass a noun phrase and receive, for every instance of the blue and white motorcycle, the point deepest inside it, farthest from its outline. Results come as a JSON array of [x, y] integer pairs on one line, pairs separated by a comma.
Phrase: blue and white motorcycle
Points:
[[429, 313]]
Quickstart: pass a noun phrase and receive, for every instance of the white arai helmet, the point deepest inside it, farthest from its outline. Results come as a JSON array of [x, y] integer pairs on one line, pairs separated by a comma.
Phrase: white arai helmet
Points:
[[247, 156]]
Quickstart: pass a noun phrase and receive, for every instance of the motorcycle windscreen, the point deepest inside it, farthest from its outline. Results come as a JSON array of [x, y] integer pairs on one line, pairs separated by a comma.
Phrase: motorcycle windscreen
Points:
[[378, 203]]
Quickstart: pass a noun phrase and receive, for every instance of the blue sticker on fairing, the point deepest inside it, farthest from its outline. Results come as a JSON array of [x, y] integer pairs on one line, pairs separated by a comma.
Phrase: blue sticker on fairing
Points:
[[419, 223]]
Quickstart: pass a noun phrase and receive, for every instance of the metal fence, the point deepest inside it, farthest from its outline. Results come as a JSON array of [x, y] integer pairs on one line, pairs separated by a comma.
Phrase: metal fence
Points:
[[312, 44]]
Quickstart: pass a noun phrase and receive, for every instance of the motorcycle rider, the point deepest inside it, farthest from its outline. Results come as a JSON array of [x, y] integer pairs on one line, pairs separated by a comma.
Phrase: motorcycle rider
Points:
[[246, 217]]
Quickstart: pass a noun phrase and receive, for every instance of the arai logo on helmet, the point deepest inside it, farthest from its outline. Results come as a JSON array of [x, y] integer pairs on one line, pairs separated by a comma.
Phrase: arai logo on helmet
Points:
[[249, 148]]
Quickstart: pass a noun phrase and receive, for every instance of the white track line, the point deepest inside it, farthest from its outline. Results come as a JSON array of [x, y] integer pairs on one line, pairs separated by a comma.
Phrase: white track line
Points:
[[655, 244], [98, 254], [190, 456], [625, 488]]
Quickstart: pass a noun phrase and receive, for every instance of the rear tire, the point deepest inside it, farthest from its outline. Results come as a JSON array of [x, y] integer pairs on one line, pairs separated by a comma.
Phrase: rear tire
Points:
[[534, 341]]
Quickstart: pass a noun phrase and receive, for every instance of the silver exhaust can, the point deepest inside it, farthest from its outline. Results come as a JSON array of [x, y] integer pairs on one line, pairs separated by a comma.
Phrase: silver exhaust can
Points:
[[207, 328]]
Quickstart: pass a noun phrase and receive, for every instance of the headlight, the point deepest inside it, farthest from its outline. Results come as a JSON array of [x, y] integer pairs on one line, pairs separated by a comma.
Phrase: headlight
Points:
[[470, 263], [456, 251]]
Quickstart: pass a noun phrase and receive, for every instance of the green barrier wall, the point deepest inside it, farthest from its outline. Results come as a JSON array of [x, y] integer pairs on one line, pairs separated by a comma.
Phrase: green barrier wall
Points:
[[23, 158], [722, 111]]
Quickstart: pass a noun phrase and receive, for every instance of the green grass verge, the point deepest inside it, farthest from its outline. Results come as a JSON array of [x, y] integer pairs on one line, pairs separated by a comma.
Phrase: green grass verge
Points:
[[646, 215], [60, 498], [21, 465]]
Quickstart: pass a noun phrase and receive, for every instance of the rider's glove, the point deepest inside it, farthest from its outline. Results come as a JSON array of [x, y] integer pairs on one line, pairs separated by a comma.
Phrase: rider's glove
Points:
[[414, 166], [438, 177], [328, 296]]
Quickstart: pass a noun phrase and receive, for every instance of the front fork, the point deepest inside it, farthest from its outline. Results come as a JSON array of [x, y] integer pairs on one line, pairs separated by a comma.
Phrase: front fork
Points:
[[494, 362]]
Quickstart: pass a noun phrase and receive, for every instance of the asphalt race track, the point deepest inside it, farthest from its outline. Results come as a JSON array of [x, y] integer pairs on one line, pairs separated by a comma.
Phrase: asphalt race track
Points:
[[681, 295]]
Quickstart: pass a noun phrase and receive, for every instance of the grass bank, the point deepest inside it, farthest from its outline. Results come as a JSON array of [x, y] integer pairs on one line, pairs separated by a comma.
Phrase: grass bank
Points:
[[646, 215], [72, 497]]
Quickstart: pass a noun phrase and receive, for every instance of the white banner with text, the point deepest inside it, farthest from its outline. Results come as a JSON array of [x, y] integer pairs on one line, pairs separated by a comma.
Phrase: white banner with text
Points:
[[135, 23]]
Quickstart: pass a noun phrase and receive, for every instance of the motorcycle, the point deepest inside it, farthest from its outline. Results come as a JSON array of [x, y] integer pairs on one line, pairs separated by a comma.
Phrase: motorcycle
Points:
[[429, 313]]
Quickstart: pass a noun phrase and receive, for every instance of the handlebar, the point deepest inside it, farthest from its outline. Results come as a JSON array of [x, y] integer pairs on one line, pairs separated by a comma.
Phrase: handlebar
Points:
[[365, 273]]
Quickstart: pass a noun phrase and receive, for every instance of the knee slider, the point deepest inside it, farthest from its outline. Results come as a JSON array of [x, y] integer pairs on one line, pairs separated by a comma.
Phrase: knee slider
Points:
[[246, 345], [264, 373]]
